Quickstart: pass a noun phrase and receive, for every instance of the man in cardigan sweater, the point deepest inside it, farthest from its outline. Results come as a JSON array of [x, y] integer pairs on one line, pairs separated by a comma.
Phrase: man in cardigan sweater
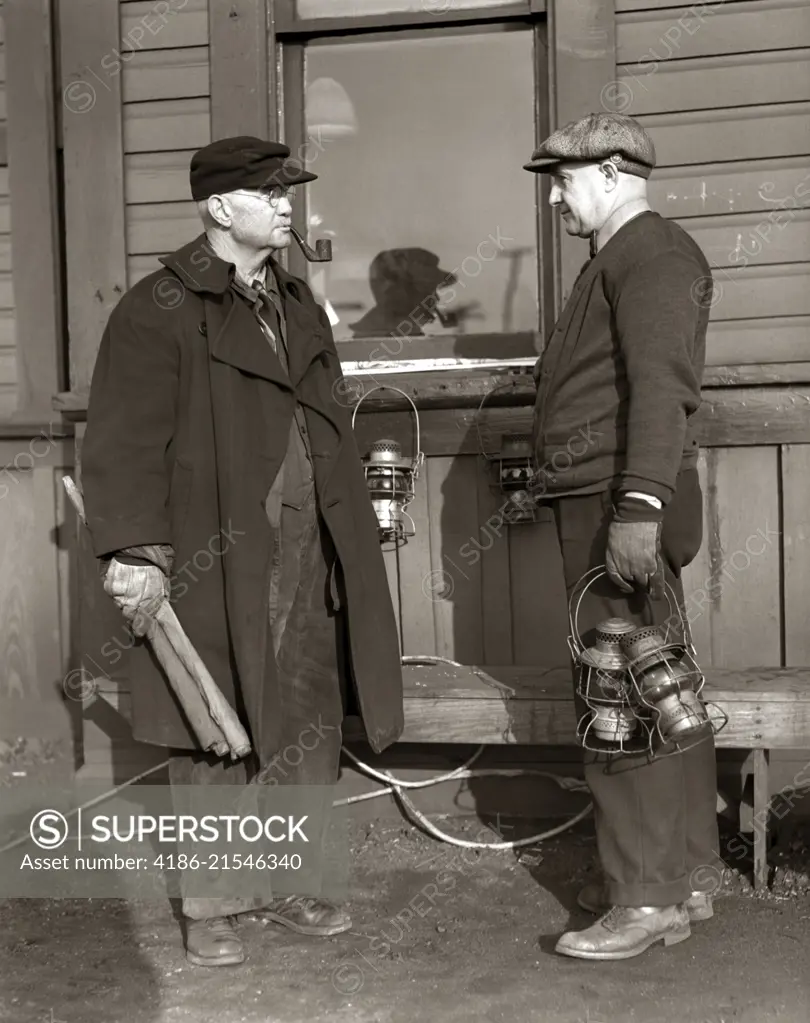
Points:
[[617, 386]]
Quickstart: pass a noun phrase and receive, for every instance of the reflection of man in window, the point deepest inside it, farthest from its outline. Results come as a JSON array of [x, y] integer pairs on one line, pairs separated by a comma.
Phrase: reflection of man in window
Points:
[[405, 284]]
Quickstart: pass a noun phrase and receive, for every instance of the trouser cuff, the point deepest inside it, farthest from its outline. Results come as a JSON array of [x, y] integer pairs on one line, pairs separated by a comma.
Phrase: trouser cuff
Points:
[[649, 894]]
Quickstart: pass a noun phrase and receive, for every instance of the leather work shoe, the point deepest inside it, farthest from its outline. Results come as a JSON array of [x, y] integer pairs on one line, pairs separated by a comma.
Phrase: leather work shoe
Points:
[[594, 898], [307, 915], [627, 931], [213, 942]]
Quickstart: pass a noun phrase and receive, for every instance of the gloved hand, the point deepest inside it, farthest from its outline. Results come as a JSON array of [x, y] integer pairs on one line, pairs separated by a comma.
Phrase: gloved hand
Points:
[[138, 590], [633, 556]]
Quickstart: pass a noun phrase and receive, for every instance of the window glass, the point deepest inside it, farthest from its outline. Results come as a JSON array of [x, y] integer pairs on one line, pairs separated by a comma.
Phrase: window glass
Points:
[[357, 8], [419, 146]]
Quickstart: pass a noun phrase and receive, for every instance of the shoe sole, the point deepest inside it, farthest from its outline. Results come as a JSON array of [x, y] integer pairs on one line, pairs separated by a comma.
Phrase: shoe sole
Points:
[[671, 938], [310, 929], [695, 915], [234, 959]]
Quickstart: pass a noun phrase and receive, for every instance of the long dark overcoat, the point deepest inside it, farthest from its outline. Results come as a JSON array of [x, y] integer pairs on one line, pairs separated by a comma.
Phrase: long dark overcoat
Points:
[[187, 427]]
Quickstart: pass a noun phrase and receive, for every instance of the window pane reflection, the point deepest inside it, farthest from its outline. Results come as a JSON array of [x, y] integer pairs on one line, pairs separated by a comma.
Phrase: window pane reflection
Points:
[[357, 8], [419, 146]]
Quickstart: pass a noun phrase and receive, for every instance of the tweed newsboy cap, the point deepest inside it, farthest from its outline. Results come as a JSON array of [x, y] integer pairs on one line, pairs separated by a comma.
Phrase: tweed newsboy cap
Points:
[[595, 137], [243, 162]]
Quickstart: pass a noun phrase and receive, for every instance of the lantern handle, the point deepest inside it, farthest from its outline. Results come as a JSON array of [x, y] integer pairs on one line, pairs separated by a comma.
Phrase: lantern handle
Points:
[[497, 387], [596, 573], [419, 459]]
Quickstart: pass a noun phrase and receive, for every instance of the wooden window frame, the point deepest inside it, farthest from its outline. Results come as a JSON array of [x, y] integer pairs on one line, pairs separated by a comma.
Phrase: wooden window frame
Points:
[[446, 351], [287, 22]]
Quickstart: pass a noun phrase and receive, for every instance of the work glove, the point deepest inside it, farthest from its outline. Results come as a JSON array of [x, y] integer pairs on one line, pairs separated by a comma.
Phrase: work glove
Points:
[[633, 556], [138, 590]]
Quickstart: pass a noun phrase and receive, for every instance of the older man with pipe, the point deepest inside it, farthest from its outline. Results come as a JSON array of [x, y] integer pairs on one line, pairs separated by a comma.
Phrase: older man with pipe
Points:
[[617, 386], [215, 425]]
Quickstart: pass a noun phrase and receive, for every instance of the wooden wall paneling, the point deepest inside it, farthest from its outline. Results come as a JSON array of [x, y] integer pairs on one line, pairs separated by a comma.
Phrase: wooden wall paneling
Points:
[[491, 546], [65, 568], [161, 227], [582, 62], [416, 607], [729, 417], [746, 342], [157, 177], [144, 27], [35, 237], [454, 583], [738, 133], [92, 133], [139, 267], [696, 577], [765, 185], [240, 93], [707, 83], [538, 599], [712, 29], [743, 597], [167, 125], [749, 292], [45, 604], [31, 666], [18, 653], [6, 326], [6, 291], [795, 481], [751, 239], [166, 74]]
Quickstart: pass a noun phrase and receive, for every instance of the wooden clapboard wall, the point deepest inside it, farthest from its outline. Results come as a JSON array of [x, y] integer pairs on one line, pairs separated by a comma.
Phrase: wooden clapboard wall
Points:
[[725, 91], [166, 116], [8, 360]]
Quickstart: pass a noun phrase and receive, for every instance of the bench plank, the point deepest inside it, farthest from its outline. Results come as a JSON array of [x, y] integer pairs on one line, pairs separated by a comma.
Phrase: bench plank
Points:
[[425, 681]]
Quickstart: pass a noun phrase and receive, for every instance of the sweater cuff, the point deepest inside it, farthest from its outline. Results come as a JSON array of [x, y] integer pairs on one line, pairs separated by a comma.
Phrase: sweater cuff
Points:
[[636, 509], [646, 486]]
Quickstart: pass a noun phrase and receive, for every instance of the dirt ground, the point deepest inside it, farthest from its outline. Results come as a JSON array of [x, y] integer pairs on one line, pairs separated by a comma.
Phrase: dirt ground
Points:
[[477, 946], [440, 934]]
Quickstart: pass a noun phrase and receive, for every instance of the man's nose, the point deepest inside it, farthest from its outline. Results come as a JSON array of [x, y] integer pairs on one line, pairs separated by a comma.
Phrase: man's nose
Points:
[[555, 196]]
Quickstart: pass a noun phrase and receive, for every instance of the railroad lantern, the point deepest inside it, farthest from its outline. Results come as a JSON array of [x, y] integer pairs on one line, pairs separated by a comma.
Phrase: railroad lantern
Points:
[[512, 469], [666, 680], [641, 691], [604, 685], [390, 479]]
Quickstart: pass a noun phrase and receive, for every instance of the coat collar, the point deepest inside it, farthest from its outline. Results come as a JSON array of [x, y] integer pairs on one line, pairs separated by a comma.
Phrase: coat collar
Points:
[[202, 271]]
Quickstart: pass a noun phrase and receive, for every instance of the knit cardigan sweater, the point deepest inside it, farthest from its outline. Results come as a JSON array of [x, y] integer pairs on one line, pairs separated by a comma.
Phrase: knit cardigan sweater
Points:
[[620, 377]]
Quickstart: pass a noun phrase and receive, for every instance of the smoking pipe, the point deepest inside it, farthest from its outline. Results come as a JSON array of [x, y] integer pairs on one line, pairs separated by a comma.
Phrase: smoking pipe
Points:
[[322, 253]]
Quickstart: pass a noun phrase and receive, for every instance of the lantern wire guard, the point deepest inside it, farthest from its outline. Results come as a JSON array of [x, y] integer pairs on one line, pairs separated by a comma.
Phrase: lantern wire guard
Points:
[[390, 478], [641, 685], [516, 473]]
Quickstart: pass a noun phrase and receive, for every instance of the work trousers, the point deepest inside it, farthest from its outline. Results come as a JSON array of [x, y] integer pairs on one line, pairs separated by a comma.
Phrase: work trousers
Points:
[[307, 636], [656, 818]]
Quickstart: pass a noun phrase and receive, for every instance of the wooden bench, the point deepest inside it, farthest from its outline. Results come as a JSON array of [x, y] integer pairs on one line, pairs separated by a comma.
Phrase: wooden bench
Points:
[[768, 708]]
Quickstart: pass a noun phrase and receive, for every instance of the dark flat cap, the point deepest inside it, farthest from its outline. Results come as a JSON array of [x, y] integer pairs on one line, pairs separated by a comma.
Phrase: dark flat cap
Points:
[[243, 162], [601, 136]]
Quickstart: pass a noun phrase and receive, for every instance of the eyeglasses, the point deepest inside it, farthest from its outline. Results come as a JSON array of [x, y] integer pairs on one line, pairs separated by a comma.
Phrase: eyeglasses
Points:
[[273, 196]]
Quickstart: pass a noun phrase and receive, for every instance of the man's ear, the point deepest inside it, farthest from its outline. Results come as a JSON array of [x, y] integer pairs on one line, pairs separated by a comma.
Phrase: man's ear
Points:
[[610, 175]]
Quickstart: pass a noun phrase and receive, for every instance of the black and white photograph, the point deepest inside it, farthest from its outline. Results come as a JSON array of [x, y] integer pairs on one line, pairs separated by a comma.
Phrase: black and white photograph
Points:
[[404, 511]]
